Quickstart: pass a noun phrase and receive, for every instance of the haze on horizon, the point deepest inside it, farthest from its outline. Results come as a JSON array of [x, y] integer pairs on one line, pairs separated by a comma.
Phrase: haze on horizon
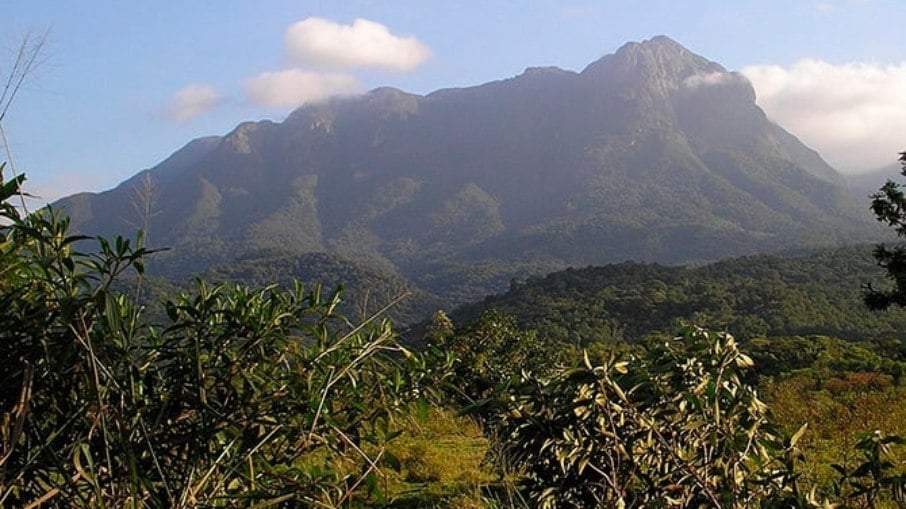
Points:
[[123, 86]]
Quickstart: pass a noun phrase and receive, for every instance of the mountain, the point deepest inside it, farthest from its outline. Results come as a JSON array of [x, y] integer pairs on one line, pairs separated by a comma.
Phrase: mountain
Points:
[[652, 153]]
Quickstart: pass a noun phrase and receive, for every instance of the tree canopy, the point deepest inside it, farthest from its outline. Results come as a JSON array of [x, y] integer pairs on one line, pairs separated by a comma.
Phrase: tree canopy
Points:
[[889, 206]]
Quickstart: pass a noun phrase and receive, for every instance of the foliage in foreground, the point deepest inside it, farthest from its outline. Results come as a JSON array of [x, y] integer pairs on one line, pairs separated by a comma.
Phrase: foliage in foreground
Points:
[[678, 427], [243, 396]]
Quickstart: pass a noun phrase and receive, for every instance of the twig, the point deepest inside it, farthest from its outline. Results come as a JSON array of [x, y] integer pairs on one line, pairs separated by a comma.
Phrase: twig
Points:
[[26, 58]]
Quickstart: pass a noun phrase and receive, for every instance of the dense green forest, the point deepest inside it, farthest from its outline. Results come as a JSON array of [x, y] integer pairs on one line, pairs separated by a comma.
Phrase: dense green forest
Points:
[[789, 311], [814, 292], [580, 389]]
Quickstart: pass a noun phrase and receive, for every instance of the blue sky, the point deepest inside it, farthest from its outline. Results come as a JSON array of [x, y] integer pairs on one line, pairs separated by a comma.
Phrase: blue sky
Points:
[[121, 85]]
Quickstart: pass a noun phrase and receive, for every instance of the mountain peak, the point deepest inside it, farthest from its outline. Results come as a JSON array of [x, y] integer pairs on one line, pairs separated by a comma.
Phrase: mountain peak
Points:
[[663, 49], [664, 42], [659, 60]]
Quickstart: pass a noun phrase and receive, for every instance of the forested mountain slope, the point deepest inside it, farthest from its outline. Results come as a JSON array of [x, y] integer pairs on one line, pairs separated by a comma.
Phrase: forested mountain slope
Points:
[[800, 294], [652, 153]]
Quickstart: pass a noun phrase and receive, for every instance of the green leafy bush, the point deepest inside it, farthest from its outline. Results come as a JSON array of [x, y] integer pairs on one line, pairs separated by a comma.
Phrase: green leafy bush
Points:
[[676, 428], [489, 353], [243, 396]]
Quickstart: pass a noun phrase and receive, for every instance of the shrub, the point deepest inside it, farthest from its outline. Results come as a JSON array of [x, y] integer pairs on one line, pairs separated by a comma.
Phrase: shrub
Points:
[[244, 396], [675, 428]]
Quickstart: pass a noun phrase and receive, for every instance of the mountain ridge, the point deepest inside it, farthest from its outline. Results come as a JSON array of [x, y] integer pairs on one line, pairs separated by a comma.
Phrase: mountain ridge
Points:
[[652, 153]]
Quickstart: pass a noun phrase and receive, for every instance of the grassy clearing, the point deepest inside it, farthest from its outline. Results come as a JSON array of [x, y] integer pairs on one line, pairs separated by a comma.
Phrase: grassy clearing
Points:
[[442, 463], [837, 410]]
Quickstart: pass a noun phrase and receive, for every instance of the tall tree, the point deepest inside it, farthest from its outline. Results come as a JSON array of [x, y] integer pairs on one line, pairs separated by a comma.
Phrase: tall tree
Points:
[[889, 206]]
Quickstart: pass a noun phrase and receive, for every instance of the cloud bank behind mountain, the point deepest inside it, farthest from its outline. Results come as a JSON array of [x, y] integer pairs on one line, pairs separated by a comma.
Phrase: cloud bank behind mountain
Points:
[[853, 114]]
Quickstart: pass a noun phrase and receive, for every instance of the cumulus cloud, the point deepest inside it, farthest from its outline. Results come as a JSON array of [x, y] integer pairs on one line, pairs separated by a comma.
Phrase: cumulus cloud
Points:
[[323, 43], [853, 114], [193, 100], [293, 87]]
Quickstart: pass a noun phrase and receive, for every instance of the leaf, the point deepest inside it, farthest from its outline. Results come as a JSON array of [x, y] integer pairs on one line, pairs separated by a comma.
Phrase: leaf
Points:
[[744, 361], [548, 492], [863, 469], [84, 450], [11, 188], [422, 408], [582, 464], [172, 311], [392, 461], [112, 312], [619, 390], [797, 435]]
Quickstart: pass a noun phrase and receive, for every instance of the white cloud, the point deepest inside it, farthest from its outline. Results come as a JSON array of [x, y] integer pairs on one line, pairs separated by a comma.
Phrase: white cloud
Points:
[[293, 87], [323, 43], [315, 44], [193, 100], [853, 114], [710, 79]]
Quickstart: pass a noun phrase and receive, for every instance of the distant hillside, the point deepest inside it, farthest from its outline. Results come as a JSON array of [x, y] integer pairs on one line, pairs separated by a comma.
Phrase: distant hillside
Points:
[[650, 154], [811, 293], [365, 291], [864, 185]]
